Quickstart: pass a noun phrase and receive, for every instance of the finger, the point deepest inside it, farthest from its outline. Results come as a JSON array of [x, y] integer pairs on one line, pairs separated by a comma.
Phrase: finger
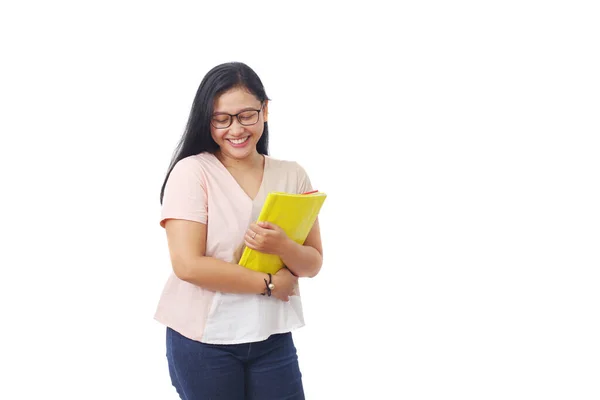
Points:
[[262, 231], [265, 224], [250, 240], [254, 236], [270, 227], [253, 230], [258, 228], [250, 235], [267, 227]]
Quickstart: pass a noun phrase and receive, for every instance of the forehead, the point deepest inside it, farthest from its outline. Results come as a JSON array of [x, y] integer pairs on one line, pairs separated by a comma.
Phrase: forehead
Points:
[[234, 100]]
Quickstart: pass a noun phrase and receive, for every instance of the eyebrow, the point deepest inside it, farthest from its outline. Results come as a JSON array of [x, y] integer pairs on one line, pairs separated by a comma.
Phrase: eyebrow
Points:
[[242, 110]]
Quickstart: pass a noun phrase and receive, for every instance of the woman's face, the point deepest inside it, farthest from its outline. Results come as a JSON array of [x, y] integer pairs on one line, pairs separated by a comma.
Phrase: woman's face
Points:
[[238, 140]]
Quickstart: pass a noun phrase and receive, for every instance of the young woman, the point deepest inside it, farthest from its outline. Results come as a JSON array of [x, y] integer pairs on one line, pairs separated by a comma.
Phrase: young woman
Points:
[[228, 327]]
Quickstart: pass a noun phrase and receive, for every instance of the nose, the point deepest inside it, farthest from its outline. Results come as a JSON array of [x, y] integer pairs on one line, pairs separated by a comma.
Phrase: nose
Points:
[[236, 127]]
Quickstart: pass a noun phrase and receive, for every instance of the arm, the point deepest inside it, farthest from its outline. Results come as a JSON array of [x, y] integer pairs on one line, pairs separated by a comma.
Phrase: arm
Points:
[[303, 260], [187, 246]]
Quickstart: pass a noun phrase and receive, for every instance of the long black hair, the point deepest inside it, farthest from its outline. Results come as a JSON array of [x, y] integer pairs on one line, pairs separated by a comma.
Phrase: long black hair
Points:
[[197, 138]]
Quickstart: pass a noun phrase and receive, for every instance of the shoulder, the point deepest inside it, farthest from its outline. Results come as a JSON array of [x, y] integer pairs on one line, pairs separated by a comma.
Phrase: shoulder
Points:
[[196, 161], [293, 173], [191, 171], [288, 166], [195, 165]]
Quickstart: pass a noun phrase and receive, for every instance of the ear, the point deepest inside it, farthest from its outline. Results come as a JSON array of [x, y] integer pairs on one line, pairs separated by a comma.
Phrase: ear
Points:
[[266, 111]]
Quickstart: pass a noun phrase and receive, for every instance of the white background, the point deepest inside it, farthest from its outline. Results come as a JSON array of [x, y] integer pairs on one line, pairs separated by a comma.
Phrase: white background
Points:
[[457, 141]]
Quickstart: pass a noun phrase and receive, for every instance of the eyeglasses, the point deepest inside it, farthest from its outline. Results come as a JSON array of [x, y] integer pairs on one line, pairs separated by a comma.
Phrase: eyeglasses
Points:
[[245, 118]]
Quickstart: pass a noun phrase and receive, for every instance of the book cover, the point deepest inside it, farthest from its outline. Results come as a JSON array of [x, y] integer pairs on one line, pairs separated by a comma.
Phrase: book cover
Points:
[[295, 214]]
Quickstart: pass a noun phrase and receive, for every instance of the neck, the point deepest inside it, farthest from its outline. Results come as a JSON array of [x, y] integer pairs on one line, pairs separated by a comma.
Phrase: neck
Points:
[[255, 160]]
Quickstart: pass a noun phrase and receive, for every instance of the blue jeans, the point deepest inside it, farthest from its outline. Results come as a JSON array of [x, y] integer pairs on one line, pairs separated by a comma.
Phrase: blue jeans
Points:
[[251, 371]]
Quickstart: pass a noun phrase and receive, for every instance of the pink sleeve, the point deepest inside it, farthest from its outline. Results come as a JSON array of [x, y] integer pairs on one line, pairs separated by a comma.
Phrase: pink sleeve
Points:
[[185, 193], [304, 184]]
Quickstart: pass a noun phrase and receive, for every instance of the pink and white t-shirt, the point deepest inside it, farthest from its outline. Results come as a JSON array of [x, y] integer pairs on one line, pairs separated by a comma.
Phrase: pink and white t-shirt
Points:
[[201, 189]]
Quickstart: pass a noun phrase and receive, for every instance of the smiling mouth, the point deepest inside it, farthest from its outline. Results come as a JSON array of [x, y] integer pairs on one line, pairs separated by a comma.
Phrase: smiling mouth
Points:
[[238, 141]]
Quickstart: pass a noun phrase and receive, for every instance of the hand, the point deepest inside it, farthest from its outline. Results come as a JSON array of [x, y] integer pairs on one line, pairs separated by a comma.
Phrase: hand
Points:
[[267, 238], [285, 284]]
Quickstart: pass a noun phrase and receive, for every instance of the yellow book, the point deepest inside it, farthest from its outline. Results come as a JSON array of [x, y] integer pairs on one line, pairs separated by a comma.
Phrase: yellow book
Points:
[[295, 214]]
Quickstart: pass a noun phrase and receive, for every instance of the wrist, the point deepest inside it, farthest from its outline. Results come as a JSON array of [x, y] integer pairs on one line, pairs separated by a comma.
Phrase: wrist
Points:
[[276, 282], [259, 282], [269, 285]]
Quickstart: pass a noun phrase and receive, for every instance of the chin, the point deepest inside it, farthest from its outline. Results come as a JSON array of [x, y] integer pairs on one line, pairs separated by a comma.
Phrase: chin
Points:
[[240, 154]]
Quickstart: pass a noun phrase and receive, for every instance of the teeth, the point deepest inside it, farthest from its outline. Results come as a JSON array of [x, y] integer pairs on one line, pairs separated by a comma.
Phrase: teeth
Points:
[[238, 141]]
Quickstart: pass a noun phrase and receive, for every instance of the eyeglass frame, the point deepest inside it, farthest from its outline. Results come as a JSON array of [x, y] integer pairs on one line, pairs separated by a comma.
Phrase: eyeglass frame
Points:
[[231, 116]]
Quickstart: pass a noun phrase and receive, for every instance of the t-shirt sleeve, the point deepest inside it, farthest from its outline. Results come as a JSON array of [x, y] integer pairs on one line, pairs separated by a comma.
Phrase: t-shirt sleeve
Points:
[[304, 184], [185, 193]]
